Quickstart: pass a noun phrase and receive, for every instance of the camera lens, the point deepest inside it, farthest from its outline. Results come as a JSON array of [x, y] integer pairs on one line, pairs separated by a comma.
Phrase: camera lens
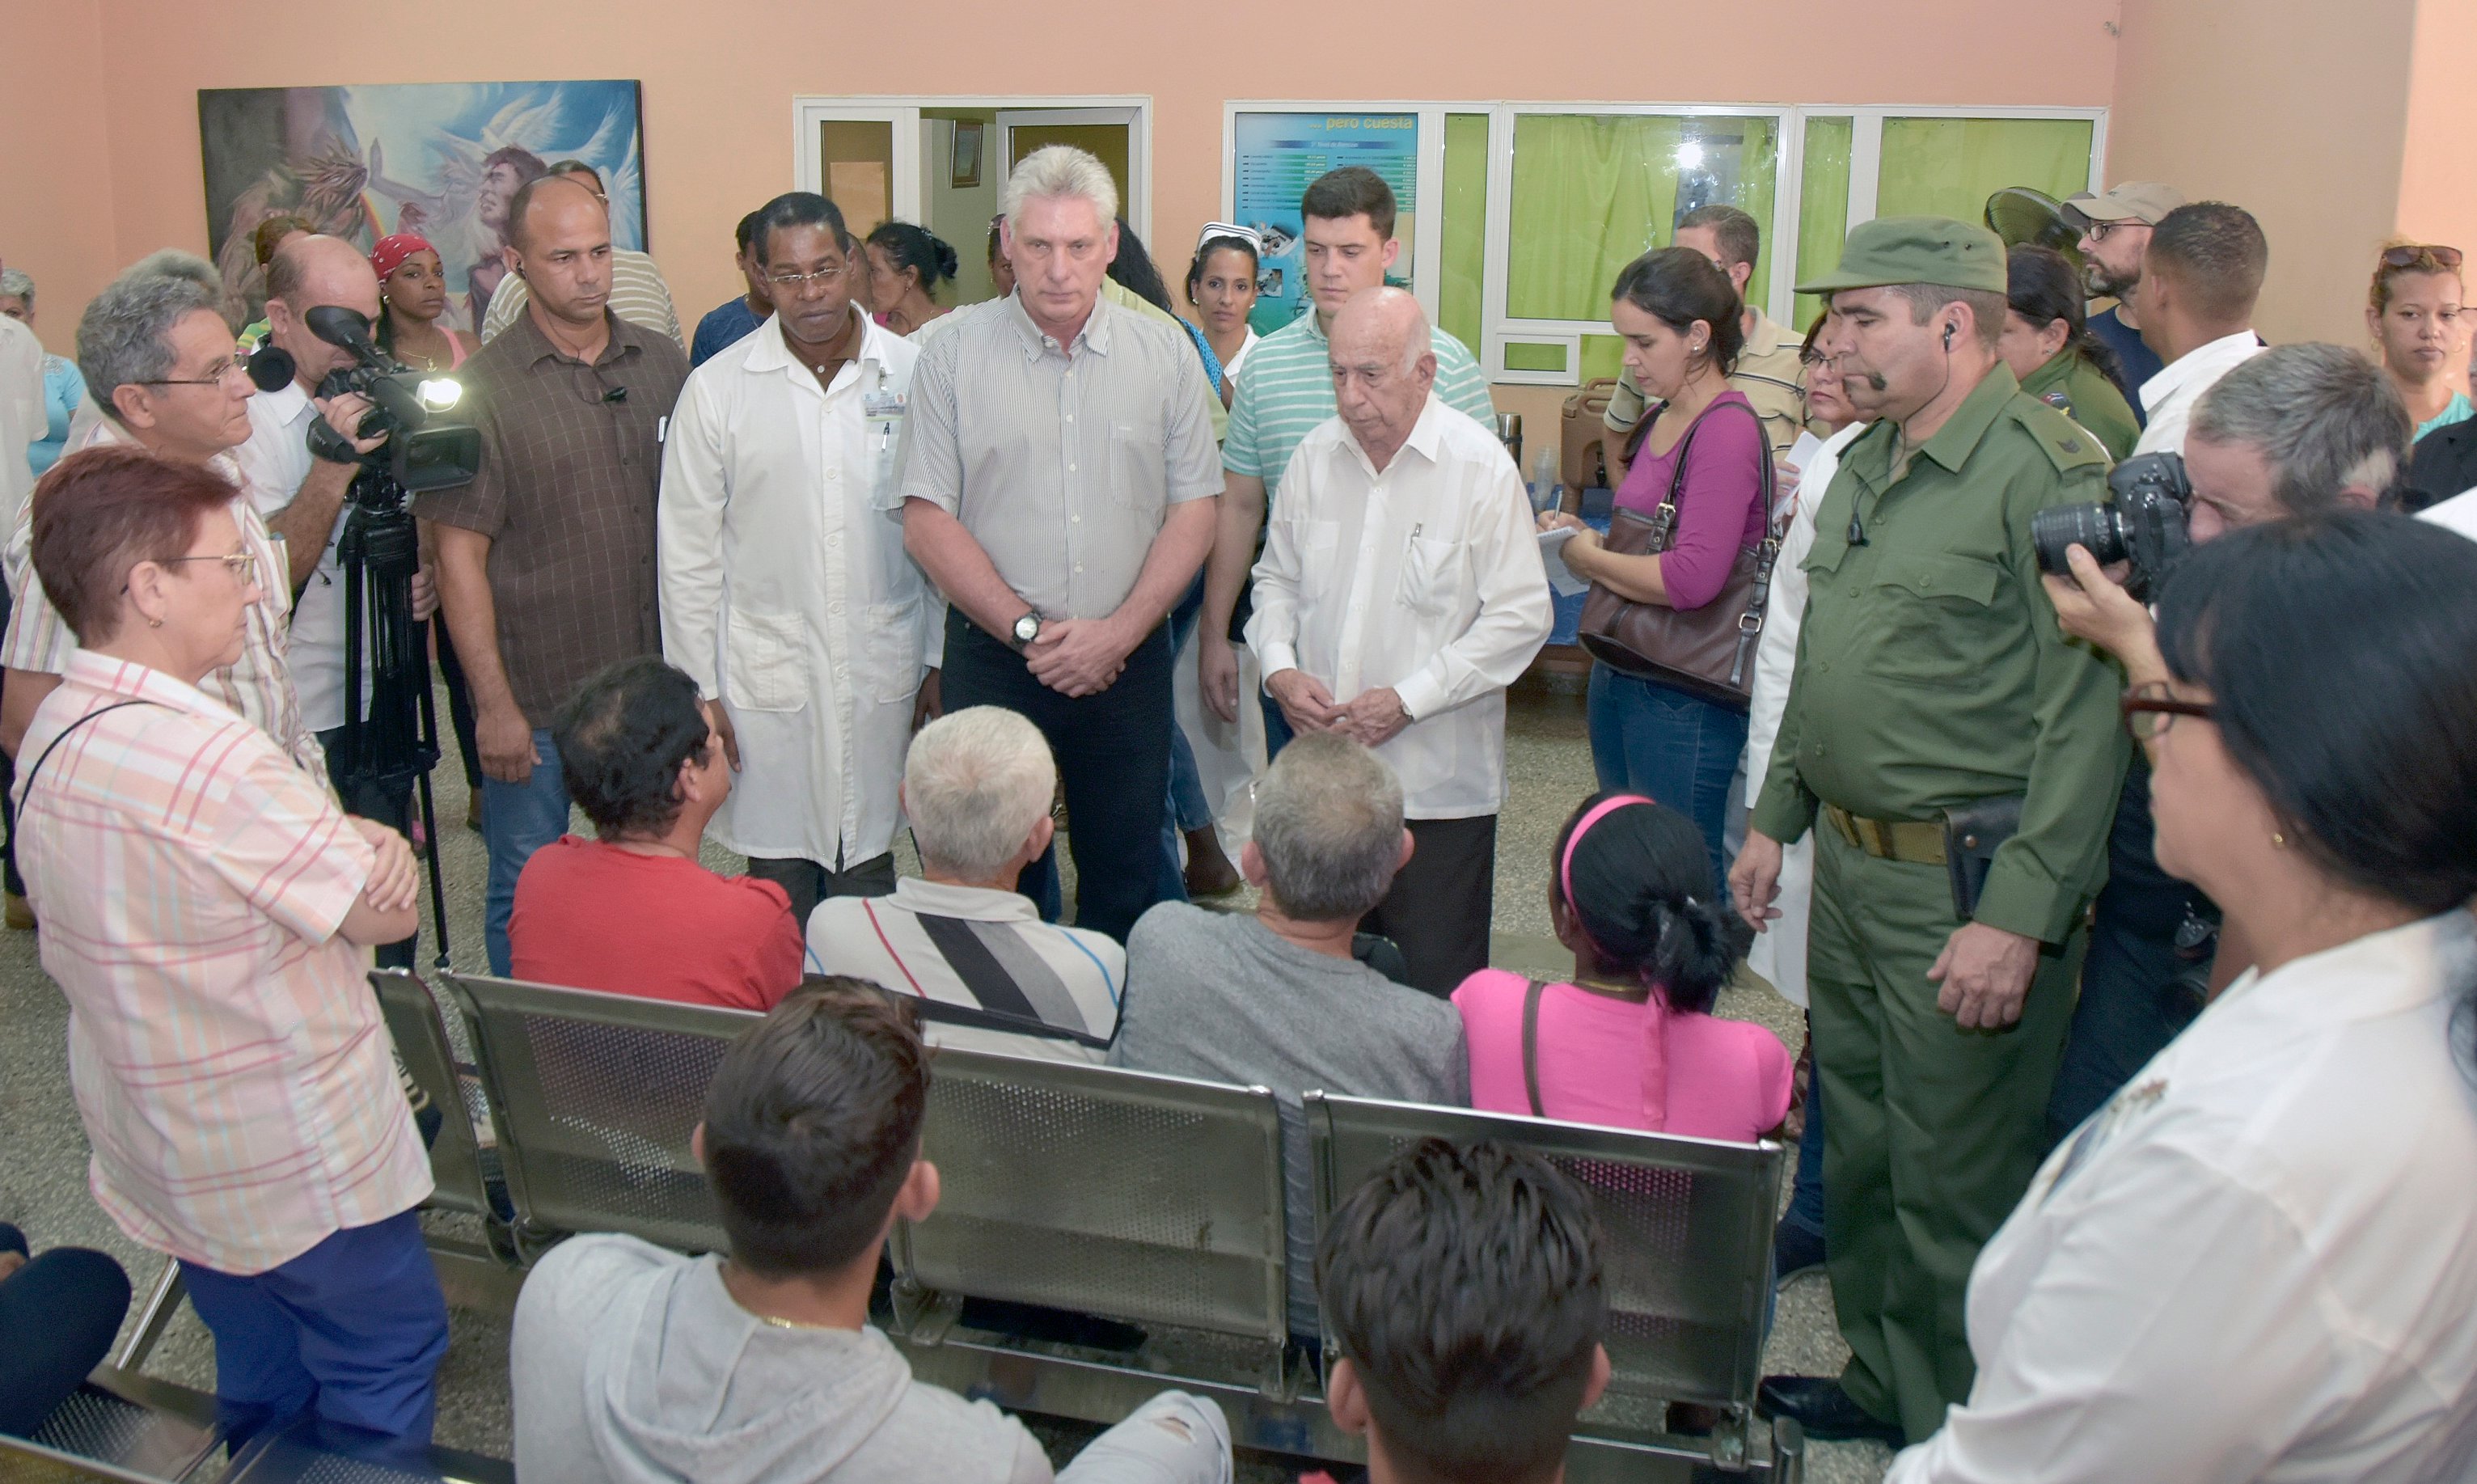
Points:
[[2098, 527]]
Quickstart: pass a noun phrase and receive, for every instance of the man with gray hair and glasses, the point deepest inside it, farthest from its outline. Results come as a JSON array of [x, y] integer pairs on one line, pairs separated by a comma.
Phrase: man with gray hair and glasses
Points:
[[162, 364], [1058, 487], [2292, 431], [989, 973], [1276, 999]]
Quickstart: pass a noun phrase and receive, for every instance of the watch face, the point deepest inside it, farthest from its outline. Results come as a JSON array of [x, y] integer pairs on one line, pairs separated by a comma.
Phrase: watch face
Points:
[[1027, 628]]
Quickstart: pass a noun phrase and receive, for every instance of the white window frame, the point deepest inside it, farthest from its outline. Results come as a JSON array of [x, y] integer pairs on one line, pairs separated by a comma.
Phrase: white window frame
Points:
[[904, 111]]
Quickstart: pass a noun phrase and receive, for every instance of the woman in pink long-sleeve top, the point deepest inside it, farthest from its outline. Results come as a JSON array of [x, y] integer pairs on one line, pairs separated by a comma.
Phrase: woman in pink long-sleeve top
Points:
[[1682, 322]]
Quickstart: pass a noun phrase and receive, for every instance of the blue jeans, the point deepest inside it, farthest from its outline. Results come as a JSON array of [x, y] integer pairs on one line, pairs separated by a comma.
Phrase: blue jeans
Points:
[[1188, 808], [1806, 1195], [517, 820], [350, 1332], [58, 1315], [1678, 749]]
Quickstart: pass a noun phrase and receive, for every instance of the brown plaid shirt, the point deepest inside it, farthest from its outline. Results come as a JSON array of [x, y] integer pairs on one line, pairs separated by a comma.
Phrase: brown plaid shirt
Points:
[[566, 496]]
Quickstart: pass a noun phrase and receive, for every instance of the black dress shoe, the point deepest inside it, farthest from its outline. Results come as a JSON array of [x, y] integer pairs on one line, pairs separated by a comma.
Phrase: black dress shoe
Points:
[[1824, 1410]]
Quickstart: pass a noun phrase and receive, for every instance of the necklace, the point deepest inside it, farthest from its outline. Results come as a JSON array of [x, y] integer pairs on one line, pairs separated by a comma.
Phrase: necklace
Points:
[[776, 1322]]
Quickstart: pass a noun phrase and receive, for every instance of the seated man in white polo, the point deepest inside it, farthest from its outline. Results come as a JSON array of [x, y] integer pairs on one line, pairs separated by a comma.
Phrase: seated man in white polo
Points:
[[1400, 592], [991, 975]]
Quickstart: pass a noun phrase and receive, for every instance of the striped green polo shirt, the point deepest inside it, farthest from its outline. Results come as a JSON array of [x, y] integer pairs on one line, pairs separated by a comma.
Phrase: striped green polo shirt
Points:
[[1286, 389]]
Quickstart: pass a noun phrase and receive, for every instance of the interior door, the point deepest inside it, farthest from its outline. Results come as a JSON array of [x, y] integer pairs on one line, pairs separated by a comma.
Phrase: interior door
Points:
[[1114, 135]]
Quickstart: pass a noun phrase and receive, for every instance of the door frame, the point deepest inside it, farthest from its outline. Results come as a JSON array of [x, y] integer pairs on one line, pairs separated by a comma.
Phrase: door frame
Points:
[[904, 111]]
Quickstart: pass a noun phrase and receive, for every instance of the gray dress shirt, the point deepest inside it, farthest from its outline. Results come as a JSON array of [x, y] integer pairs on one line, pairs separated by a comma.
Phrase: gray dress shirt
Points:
[[1062, 462]]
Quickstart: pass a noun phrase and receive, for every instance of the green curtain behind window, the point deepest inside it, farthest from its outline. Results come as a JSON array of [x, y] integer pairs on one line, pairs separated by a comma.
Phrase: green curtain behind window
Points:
[[1949, 166], [1593, 191], [1464, 227], [1823, 208]]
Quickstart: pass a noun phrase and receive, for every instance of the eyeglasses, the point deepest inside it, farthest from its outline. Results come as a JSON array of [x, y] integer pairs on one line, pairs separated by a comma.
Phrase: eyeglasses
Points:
[[799, 281], [2149, 711], [242, 564], [2099, 230], [224, 372], [2421, 254]]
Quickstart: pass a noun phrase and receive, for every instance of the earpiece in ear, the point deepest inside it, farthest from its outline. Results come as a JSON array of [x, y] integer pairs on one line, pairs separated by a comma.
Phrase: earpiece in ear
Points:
[[1948, 332]]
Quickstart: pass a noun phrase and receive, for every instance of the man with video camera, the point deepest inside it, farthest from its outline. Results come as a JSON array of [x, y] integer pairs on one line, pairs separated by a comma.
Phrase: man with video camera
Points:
[[2289, 431], [304, 496]]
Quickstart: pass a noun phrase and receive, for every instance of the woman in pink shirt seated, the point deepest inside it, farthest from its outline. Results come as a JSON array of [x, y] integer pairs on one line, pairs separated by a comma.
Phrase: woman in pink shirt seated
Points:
[[1631, 1041]]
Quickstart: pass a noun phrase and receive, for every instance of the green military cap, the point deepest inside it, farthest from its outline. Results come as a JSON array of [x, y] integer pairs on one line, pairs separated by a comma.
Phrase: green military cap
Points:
[[1916, 250]]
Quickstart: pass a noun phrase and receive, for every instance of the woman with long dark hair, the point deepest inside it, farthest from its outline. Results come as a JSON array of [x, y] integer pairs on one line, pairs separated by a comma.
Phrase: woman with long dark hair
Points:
[[1630, 1041], [2054, 353], [1683, 327], [2258, 1260]]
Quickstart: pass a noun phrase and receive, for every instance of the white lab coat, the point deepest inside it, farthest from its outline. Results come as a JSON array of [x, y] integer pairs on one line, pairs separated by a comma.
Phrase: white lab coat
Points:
[[1779, 953], [788, 594]]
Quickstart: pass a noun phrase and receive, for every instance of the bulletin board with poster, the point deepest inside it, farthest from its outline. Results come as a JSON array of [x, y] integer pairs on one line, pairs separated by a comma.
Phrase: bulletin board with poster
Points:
[[1278, 154]]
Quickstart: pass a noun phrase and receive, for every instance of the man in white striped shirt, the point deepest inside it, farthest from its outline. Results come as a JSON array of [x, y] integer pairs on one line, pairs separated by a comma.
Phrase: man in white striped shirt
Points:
[[1347, 240], [639, 294], [991, 975]]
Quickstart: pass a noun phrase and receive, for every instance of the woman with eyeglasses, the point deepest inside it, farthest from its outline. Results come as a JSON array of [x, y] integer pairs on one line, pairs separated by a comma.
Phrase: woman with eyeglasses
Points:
[[2413, 310], [2259, 1261], [208, 913], [2054, 354]]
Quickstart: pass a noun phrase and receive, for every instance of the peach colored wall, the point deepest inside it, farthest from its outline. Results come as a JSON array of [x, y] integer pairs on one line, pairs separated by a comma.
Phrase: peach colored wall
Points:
[[719, 79], [2439, 168], [57, 211], [2296, 111]]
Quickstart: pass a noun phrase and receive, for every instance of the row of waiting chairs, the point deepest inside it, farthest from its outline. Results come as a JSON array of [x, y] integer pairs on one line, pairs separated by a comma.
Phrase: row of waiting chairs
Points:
[[1139, 1220], [1102, 1233]]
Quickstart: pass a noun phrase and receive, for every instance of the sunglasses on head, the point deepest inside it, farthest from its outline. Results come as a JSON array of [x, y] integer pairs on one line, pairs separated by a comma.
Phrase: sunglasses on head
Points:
[[2415, 254]]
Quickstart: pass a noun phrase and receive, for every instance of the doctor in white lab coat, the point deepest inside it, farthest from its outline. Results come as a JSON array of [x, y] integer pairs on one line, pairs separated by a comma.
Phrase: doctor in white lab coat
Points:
[[786, 588]]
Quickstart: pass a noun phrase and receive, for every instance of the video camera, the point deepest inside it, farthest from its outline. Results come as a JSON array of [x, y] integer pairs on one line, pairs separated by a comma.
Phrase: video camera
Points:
[[2145, 524], [419, 454]]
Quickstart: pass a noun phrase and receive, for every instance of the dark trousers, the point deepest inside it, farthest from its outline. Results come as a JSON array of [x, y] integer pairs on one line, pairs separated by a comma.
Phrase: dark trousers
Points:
[[15, 883], [1438, 909], [810, 882], [391, 805], [58, 1315], [460, 706], [1112, 751], [2129, 1005], [1806, 1191], [350, 1332]]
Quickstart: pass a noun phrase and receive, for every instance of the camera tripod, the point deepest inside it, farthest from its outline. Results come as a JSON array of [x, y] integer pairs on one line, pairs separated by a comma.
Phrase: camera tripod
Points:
[[395, 745]]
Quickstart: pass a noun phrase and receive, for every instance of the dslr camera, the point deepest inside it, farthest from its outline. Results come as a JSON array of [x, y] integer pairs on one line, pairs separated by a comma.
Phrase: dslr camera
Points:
[[421, 453], [2145, 524]]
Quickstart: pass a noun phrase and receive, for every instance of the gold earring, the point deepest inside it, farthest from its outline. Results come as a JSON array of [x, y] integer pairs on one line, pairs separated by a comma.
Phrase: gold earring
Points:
[[154, 623], [2278, 840]]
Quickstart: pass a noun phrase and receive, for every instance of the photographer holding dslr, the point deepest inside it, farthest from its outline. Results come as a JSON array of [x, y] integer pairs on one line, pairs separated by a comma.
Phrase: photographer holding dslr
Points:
[[303, 496], [2292, 431]]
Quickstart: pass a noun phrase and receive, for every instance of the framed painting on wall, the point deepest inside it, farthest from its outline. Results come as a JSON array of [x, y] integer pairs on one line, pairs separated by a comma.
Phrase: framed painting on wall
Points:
[[439, 159], [964, 173]]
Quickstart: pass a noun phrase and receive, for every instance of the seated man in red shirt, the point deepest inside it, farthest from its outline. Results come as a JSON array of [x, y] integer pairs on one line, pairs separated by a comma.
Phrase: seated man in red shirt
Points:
[[631, 911]]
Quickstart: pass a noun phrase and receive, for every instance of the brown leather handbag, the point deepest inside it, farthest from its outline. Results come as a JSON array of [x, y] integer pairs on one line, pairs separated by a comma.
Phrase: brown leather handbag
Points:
[[1707, 652]]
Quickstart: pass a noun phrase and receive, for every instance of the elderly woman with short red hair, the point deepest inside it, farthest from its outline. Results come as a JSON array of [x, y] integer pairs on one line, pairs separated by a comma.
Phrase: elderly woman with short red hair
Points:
[[206, 910]]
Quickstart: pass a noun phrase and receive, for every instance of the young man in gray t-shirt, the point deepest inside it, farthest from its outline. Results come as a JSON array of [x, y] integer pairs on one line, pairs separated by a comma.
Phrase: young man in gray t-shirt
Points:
[[1276, 998]]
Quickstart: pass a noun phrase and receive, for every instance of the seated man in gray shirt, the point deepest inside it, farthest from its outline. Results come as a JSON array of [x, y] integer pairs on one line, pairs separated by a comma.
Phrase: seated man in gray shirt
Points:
[[1276, 998], [633, 1364]]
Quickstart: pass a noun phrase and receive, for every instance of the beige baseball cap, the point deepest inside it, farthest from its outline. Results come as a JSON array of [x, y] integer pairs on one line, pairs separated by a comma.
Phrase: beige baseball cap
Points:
[[2144, 201]]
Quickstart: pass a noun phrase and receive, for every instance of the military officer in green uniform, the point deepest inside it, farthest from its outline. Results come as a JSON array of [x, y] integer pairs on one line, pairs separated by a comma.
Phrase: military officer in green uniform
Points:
[[2049, 344], [1931, 676]]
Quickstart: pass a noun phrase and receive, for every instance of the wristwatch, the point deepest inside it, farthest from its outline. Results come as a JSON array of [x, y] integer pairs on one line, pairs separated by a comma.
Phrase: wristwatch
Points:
[[1027, 629]]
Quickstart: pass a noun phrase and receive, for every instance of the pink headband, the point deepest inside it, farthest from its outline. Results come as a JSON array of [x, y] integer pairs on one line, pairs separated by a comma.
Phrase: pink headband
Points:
[[389, 253], [1594, 816]]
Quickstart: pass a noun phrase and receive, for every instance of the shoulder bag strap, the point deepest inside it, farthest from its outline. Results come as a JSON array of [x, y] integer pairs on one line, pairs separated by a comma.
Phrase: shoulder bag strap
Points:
[[29, 790], [1750, 623], [1531, 1045]]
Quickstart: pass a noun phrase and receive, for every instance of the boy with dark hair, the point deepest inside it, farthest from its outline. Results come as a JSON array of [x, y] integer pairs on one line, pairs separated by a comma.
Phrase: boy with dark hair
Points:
[[1462, 1290], [633, 1364]]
